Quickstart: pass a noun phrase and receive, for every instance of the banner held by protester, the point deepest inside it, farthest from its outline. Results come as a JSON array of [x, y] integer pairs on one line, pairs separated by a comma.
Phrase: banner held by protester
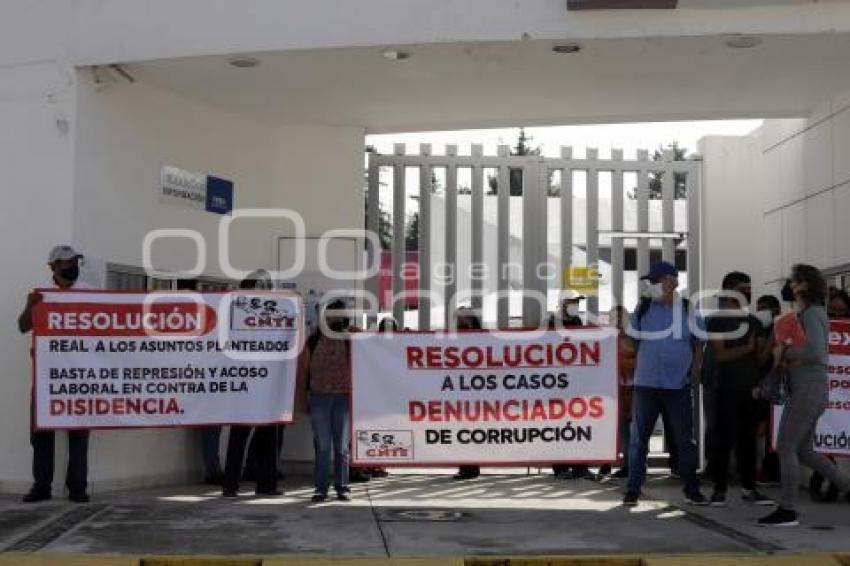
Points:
[[116, 360], [515, 397], [832, 435]]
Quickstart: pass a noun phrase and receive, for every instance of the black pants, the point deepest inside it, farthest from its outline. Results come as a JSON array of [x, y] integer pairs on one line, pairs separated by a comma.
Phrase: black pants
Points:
[[470, 471], [734, 427], [43, 452], [265, 440]]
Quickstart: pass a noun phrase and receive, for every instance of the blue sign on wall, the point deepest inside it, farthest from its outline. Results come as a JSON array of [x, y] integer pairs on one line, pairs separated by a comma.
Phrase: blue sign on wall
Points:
[[219, 195]]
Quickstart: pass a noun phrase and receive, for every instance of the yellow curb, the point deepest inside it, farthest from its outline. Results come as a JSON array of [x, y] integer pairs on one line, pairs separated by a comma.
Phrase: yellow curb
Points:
[[201, 561], [757, 560], [48, 559], [555, 561], [329, 561]]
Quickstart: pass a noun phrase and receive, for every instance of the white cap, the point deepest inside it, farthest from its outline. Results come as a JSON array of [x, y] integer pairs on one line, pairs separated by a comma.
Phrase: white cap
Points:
[[571, 295], [62, 252]]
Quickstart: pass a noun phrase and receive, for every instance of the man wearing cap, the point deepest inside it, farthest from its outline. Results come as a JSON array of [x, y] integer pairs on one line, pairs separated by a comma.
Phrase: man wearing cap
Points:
[[569, 318], [668, 360], [64, 262]]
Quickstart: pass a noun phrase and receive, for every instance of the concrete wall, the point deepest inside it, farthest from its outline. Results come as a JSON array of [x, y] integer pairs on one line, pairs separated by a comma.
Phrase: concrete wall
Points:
[[109, 31], [104, 199], [730, 201], [37, 159], [806, 197]]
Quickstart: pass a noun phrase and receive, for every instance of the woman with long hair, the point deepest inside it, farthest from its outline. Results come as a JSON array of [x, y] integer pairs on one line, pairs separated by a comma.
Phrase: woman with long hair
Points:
[[808, 395]]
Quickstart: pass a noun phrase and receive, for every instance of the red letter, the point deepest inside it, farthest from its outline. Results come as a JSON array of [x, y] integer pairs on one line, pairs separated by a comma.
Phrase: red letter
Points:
[[417, 411], [414, 357]]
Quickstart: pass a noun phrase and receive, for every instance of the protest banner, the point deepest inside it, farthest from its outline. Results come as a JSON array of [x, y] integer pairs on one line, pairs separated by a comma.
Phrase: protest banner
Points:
[[832, 435], [126, 360], [506, 398]]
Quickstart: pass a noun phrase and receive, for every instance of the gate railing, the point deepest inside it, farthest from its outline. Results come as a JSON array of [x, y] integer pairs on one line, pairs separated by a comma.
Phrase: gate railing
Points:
[[536, 172]]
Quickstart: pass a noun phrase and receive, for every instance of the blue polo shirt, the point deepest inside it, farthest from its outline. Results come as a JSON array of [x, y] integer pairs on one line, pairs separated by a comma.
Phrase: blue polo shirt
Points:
[[663, 360]]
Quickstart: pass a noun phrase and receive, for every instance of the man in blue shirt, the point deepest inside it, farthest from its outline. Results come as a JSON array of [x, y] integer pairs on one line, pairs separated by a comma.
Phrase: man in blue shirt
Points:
[[668, 359]]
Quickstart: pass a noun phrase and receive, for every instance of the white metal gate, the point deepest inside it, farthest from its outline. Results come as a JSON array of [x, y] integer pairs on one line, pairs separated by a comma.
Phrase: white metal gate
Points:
[[535, 176]]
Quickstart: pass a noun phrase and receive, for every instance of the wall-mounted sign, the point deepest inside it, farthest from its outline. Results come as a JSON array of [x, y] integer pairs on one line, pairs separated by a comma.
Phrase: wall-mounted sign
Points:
[[583, 279], [196, 190]]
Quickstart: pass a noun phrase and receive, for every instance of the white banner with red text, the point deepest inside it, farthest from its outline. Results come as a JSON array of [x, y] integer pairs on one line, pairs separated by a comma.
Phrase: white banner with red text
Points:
[[125, 360], [832, 435], [476, 397]]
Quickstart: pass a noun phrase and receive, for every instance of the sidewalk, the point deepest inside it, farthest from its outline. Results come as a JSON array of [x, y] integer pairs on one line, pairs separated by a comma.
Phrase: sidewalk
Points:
[[414, 516]]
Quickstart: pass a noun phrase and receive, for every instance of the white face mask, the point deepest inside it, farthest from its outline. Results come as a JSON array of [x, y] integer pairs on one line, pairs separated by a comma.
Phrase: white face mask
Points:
[[655, 291], [765, 317]]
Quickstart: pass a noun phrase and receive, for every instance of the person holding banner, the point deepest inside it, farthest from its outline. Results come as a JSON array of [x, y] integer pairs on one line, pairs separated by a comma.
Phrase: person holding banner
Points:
[[264, 440], [668, 361], [569, 318], [467, 319], [808, 395], [64, 263], [330, 401]]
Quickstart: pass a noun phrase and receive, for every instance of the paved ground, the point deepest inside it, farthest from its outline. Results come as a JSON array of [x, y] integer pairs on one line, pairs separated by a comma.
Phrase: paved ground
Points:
[[413, 515]]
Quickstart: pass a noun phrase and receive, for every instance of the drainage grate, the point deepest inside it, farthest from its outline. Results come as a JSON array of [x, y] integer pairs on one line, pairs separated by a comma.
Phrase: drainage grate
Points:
[[426, 515], [55, 528]]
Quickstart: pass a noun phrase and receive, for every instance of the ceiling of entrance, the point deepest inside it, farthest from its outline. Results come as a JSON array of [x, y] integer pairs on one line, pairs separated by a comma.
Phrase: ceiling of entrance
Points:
[[504, 84]]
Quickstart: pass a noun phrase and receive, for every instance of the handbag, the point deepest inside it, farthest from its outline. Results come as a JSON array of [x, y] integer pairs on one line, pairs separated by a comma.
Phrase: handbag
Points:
[[774, 387]]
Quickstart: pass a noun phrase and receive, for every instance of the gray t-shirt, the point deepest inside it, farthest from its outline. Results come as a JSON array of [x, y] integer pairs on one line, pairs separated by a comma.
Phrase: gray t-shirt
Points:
[[813, 357]]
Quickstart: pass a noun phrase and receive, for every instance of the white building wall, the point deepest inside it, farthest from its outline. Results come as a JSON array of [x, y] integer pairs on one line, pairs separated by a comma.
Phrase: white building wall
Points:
[[105, 199], [730, 201], [806, 196], [37, 160]]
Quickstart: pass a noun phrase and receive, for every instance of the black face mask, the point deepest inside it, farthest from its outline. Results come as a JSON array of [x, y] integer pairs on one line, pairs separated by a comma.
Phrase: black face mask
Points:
[[787, 293], [70, 273]]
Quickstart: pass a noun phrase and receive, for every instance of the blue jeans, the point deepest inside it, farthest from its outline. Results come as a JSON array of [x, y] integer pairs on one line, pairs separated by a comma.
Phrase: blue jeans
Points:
[[330, 414], [648, 404]]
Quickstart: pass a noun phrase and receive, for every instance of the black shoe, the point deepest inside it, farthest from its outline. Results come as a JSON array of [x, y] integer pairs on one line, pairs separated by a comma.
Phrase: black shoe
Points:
[[621, 474], [79, 497], [461, 476], [631, 499], [268, 492], [229, 493], [755, 497], [718, 499], [319, 497], [780, 518], [35, 495], [343, 496], [696, 498]]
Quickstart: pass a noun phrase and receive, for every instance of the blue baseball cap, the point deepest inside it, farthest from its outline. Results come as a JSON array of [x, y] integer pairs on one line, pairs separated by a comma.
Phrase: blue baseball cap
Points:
[[661, 269]]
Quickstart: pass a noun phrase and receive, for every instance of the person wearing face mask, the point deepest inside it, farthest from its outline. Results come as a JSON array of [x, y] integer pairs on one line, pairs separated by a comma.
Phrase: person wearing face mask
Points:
[[64, 263], [618, 318], [570, 317], [767, 473], [330, 400], [668, 362], [264, 443], [808, 395], [838, 308], [736, 350], [467, 319]]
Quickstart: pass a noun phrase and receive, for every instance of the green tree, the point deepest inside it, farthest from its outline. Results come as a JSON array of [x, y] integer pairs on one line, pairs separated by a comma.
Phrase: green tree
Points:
[[523, 147], [680, 190]]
